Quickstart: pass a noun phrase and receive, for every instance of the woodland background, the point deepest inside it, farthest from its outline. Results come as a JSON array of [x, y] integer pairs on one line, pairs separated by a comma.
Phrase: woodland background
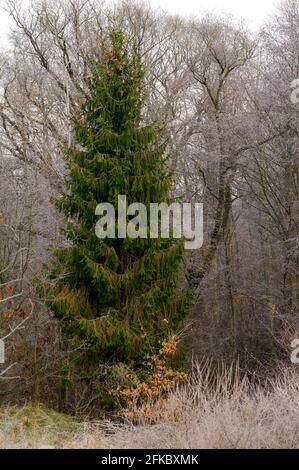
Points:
[[224, 94]]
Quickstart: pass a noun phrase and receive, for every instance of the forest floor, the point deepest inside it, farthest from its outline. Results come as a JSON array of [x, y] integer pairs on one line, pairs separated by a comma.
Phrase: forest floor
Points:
[[230, 415]]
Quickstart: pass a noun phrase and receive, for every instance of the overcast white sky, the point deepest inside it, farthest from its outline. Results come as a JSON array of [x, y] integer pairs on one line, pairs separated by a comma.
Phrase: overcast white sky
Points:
[[254, 11]]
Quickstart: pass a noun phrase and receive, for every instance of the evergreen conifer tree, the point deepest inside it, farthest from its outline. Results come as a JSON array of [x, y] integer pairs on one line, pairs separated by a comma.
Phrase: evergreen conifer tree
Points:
[[116, 298]]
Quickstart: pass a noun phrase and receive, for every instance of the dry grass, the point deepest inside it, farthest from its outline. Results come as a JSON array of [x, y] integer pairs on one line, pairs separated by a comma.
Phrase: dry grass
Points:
[[229, 415]]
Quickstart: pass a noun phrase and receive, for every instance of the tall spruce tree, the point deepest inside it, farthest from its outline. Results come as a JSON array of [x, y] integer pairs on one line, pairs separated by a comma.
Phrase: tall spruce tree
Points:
[[117, 299]]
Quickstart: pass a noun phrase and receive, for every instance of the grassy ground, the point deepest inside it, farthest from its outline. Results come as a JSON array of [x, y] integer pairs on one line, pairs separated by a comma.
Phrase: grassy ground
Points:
[[231, 415]]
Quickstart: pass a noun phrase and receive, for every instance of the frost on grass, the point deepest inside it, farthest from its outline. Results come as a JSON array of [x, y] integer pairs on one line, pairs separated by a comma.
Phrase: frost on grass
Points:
[[229, 414]]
